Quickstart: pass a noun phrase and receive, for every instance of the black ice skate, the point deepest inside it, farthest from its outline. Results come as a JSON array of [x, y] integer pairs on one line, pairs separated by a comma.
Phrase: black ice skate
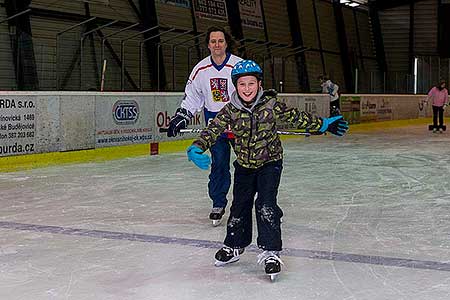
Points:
[[335, 111], [437, 128], [216, 215], [272, 263], [227, 255]]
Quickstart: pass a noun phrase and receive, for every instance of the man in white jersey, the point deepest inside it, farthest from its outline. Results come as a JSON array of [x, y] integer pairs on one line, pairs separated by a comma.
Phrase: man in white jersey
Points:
[[209, 88]]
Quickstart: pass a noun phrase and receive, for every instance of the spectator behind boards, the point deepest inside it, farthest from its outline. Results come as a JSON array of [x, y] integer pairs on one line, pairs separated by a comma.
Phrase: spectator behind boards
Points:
[[332, 89]]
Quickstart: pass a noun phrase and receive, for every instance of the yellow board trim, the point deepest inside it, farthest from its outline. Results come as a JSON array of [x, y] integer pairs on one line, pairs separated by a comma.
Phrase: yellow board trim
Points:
[[31, 161], [373, 126]]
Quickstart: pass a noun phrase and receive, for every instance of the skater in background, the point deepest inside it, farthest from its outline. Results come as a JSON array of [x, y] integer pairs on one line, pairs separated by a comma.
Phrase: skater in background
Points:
[[252, 115], [332, 89], [439, 96], [209, 88]]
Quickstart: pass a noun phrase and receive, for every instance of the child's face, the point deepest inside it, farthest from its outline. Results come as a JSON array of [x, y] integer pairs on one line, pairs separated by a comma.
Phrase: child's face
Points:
[[247, 87]]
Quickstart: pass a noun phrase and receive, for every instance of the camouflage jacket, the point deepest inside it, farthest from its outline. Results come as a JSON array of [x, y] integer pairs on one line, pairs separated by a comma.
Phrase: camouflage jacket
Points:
[[255, 128]]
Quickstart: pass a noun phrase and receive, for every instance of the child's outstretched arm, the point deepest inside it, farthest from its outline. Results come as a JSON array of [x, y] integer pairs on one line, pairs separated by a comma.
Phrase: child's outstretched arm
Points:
[[299, 119], [336, 125], [303, 120], [207, 138]]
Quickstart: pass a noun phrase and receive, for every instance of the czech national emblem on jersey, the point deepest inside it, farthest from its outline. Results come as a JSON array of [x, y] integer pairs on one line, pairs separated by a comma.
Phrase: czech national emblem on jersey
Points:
[[219, 89]]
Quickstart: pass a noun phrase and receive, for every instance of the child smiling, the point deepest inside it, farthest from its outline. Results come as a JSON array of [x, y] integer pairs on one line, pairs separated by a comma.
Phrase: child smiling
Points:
[[252, 115]]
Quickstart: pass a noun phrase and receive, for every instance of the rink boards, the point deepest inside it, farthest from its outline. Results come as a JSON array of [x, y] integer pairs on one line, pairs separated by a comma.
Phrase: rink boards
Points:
[[46, 122], [43, 122]]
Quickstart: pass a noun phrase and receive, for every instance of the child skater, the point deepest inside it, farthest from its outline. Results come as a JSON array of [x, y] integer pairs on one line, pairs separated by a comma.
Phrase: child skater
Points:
[[439, 97], [252, 115]]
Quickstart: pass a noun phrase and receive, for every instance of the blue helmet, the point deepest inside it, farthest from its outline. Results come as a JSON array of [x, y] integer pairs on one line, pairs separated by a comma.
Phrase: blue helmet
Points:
[[244, 68]]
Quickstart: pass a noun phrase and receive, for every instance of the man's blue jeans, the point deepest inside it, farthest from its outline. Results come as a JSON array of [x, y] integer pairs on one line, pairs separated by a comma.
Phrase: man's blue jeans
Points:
[[220, 177]]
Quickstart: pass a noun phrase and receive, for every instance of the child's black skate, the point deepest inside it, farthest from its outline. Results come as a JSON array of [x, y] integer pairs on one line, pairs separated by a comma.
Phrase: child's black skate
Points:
[[272, 263], [227, 255], [216, 215]]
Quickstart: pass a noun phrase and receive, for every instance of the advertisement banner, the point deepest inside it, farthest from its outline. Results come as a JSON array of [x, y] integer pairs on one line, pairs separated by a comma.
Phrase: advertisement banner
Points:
[[164, 109], [251, 14], [211, 9], [17, 125], [350, 108], [123, 120], [317, 105], [376, 108], [28, 124]]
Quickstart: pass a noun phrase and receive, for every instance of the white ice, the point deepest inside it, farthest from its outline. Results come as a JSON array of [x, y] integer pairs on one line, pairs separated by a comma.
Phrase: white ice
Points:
[[66, 232]]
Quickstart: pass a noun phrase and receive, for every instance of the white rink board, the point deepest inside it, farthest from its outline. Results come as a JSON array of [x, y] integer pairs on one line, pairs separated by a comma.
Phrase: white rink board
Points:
[[40, 122], [77, 115]]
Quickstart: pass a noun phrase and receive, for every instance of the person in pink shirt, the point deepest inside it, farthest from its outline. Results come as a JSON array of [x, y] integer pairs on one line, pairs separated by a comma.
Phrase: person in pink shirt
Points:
[[439, 97]]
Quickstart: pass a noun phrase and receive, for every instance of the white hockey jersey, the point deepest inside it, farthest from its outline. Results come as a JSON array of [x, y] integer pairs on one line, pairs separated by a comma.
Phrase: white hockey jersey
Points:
[[209, 85], [330, 88]]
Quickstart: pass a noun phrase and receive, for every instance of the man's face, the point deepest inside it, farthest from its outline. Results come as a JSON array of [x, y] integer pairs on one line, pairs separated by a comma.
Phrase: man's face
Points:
[[217, 43]]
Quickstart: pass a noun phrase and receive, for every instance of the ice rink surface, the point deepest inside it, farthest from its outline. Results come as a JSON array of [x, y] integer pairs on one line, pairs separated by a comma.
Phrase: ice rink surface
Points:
[[367, 216]]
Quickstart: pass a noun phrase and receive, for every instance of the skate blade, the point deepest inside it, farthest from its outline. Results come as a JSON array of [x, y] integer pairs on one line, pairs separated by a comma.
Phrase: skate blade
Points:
[[219, 263], [273, 276], [216, 223]]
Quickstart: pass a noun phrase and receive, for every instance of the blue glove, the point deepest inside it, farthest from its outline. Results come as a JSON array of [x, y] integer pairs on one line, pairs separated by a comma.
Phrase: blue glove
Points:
[[195, 154], [336, 125]]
